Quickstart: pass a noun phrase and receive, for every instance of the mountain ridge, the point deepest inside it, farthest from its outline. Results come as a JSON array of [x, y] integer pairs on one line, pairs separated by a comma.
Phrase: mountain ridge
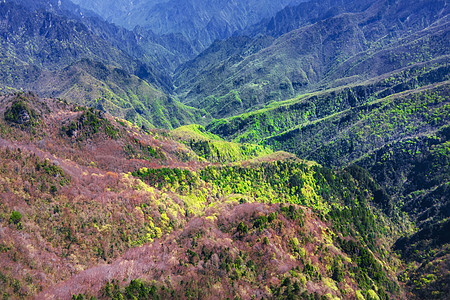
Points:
[[202, 21], [305, 59], [42, 53]]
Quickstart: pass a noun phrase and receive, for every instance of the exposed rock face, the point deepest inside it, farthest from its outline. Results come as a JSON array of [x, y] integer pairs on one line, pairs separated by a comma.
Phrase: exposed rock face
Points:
[[19, 113], [23, 117]]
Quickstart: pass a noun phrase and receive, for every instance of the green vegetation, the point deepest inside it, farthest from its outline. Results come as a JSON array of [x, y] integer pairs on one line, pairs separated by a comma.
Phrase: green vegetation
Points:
[[277, 72], [117, 209], [173, 179], [307, 109], [53, 171], [212, 148], [91, 68], [89, 123], [15, 219], [339, 139], [137, 150], [334, 195], [19, 113]]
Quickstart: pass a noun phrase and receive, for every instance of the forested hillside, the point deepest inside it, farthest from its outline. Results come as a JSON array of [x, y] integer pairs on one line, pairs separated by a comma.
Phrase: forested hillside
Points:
[[86, 190], [224, 149], [63, 56], [343, 49]]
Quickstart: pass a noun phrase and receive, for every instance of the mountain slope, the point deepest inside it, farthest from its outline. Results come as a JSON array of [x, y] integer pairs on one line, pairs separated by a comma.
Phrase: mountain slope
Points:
[[281, 117], [201, 21], [335, 51], [297, 16], [402, 140], [417, 172], [162, 52], [63, 56], [94, 206], [344, 137], [50, 41], [110, 89], [88, 187]]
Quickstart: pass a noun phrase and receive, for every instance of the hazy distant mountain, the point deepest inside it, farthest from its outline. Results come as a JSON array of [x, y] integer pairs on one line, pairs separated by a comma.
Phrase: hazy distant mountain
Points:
[[198, 20], [295, 16]]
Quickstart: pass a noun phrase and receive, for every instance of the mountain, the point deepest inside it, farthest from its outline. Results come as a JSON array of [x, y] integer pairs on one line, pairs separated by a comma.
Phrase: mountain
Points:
[[296, 16], [400, 137], [163, 52], [312, 164], [202, 21], [48, 40], [66, 57], [334, 51], [99, 207], [111, 89], [382, 107], [280, 118], [115, 10], [395, 127]]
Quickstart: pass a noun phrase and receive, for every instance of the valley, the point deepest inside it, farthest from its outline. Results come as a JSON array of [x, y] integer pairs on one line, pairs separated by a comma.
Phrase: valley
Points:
[[224, 149]]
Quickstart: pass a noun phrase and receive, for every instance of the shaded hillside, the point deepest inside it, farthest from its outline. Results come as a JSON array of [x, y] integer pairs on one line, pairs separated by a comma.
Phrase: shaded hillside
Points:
[[49, 41], [396, 128], [403, 142], [333, 51], [341, 138], [87, 187], [161, 53], [108, 207], [109, 89], [59, 55], [417, 172], [280, 117], [294, 17]]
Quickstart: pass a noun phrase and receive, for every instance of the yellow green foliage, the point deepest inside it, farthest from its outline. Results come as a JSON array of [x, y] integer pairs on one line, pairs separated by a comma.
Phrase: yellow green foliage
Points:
[[372, 295], [213, 148], [359, 296]]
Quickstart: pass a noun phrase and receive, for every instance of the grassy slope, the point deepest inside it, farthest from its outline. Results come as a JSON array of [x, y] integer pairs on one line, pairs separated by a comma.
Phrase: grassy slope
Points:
[[213, 148]]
